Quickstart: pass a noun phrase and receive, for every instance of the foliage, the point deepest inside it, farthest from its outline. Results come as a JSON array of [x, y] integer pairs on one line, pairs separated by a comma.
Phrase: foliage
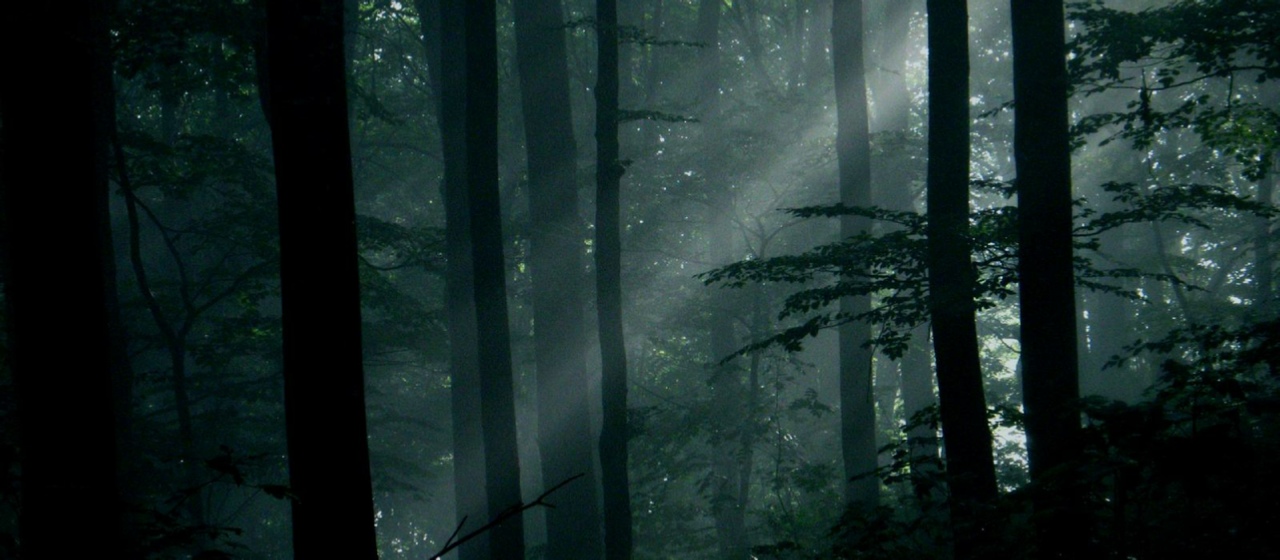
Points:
[[1189, 471], [1193, 64], [179, 47], [891, 264], [166, 530]]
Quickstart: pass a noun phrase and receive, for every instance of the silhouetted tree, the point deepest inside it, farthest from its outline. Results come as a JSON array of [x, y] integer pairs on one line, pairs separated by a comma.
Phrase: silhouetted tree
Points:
[[608, 247], [320, 286], [1050, 377], [853, 151], [952, 278], [444, 41], [493, 340], [58, 276], [559, 298]]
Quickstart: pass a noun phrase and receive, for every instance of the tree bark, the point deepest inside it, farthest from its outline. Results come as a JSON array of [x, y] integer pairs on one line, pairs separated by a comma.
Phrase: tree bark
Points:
[[319, 283], [497, 394], [559, 301], [853, 151], [608, 246], [966, 436], [57, 279], [1264, 258], [922, 439], [1050, 379], [444, 42]]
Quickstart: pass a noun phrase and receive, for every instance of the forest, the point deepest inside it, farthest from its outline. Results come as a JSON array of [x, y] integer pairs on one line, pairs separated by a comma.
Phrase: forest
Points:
[[640, 279]]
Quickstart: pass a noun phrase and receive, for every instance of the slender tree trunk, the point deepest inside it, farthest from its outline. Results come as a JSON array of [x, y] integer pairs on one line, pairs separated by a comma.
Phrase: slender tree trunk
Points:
[[1264, 257], [1111, 322], [728, 404], [892, 99], [853, 150], [173, 335], [57, 278], [888, 381], [175, 339], [1264, 262], [319, 283], [966, 436], [1050, 379], [170, 103], [497, 394], [653, 69], [608, 246], [892, 188], [796, 46], [444, 42], [708, 33], [564, 415], [922, 438], [816, 60]]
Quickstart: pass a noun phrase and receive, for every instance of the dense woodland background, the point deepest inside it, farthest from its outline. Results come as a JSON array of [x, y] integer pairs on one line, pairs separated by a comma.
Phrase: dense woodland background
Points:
[[643, 279]]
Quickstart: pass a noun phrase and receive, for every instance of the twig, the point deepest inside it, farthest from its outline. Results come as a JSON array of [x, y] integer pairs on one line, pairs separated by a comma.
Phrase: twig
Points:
[[506, 514]]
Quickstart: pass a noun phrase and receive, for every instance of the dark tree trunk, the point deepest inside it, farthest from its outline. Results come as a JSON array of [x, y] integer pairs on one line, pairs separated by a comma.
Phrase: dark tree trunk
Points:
[[444, 41], [1264, 259], [608, 246], [319, 283], [966, 436], [497, 394], [175, 338], [729, 413], [57, 280], [559, 300], [1050, 378], [708, 33], [853, 151]]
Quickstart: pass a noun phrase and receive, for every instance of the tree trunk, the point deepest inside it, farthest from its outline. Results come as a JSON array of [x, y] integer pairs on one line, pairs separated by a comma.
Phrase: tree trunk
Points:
[[489, 273], [319, 283], [1050, 379], [966, 436], [816, 61], [559, 336], [1264, 258], [890, 96], [444, 42], [892, 189], [608, 246], [1111, 321], [922, 438], [853, 151], [888, 381], [56, 274], [708, 33]]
